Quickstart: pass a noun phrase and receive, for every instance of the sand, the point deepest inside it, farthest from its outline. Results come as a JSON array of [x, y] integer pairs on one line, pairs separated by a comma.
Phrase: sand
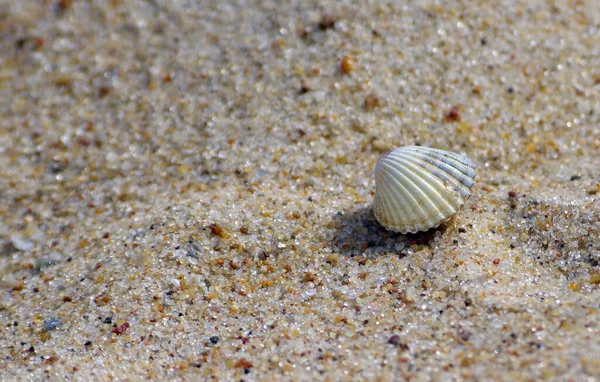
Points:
[[186, 189]]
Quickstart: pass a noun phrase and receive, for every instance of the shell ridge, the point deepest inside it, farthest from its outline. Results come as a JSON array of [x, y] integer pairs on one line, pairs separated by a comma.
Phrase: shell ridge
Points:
[[414, 211], [448, 179], [429, 169], [392, 199], [457, 161], [422, 174], [404, 195], [383, 202], [457, 169], [446, 154], [420, 184], [419, 196], [388, 202], [461, 181]]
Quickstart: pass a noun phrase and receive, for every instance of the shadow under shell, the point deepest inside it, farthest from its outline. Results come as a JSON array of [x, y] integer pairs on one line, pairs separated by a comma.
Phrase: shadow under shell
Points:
[[357, 233]]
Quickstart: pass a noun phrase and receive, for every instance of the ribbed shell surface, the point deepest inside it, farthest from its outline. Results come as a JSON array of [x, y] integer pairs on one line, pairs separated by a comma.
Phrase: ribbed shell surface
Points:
[[417, 188]]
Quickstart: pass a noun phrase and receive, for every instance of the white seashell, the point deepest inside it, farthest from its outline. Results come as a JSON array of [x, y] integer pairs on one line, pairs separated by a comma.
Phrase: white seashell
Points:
[[417, 188]]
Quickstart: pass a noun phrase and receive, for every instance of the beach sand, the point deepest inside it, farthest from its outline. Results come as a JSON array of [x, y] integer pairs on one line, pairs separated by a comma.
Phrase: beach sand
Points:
[[186, 189]]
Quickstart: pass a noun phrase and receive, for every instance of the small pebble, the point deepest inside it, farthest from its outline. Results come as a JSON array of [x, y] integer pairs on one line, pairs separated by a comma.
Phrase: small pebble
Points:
[[327, 22], [244, 363], [396, 341], [218, 230], [42, 263], [333, 258], [348, 64], [371, 102], [121, 329], [22, 244], [381, 145], [454, 114], [52, 323], [305, 87]]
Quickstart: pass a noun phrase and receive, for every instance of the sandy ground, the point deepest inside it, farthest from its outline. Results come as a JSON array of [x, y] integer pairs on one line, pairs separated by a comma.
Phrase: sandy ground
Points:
[[186, 190]]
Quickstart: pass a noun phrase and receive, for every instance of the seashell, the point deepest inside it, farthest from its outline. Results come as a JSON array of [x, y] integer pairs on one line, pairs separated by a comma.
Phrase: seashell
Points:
[[417, 188]]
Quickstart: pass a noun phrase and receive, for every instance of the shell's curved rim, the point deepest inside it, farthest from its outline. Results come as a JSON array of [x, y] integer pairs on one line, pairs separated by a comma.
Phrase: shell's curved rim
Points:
[[447, 169]]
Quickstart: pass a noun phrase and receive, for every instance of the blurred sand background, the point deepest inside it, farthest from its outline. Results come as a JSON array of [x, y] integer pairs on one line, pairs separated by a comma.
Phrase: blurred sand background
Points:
[[185, 190]]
